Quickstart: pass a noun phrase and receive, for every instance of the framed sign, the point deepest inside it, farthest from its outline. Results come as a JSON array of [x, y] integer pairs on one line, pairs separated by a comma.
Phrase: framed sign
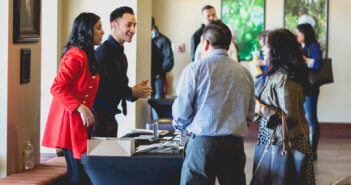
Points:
[[26, 21], [314, 12], [246, 17]]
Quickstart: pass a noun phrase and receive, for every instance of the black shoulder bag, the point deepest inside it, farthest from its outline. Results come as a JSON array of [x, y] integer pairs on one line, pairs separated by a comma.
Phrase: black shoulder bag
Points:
[[323, 76], [278, 164]]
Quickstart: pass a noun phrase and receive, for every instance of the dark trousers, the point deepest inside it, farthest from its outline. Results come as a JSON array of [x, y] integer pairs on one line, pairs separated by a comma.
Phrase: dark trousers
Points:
[[209, 157], [311, 115], [105, 125], [75, 170]]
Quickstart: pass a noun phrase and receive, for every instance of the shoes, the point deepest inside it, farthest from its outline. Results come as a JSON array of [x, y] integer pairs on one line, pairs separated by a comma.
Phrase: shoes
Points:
[[314, 137], [314, 156]]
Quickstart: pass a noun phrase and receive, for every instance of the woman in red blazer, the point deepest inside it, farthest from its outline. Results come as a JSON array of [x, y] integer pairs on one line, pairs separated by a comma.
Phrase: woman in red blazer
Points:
[[73, 91]]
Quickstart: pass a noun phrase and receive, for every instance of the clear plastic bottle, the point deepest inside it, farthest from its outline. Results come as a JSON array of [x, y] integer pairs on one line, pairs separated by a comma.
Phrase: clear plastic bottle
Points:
[[28, 156]]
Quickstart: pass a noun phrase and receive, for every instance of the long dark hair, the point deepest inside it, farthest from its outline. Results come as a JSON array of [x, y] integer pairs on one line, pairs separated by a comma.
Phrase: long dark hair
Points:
[[82, 37], [285, 54], [308, 32]]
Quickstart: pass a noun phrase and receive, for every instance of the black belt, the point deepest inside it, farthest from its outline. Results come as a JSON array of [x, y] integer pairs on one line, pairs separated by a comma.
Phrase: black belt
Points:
[[224, 138]]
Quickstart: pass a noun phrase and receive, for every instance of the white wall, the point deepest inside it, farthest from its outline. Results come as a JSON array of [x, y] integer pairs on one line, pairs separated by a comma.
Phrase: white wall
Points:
[[49, 58], [274, 14], [4, 37], [334, 104], [179, 19], [143, 60], [23, 116]]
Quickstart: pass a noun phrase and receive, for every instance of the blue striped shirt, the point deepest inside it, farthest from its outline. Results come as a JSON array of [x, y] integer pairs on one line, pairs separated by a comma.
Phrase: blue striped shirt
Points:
[[314, 51], [215, 97]]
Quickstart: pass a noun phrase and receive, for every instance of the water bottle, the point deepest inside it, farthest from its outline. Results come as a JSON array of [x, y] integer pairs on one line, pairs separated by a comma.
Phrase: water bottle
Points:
[[155, 130], [28, 156]]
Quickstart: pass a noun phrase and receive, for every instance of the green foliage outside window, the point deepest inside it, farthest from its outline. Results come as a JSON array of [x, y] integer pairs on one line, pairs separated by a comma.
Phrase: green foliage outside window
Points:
[[247, 18]]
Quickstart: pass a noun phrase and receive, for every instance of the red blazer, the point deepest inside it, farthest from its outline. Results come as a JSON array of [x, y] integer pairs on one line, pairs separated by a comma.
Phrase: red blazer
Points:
[[73, 85]]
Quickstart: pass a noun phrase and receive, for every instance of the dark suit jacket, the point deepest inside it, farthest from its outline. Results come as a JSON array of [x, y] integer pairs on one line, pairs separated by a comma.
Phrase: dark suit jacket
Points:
[[195, 40], [113, 85]]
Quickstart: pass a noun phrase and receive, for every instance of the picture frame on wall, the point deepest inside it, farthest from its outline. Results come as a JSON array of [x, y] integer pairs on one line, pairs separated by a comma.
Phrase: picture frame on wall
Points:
[[247, 19], [314, 12], [26, 21]]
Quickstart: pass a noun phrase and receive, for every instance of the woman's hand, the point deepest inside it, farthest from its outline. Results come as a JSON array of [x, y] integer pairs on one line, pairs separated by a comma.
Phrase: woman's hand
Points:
[[306, 59], [265, 110], [86, 115], [258, 107]]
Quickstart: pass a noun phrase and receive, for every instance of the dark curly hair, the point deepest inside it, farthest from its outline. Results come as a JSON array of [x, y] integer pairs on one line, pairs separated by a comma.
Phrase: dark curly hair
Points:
[[285, 54], [82, 37]]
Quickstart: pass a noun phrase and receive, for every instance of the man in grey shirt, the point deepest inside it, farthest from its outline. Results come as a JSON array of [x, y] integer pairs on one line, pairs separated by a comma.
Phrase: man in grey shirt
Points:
[[215, 103]]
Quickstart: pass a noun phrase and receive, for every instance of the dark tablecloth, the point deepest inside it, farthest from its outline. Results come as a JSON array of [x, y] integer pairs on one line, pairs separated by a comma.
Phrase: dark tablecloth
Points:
[[141, 169]]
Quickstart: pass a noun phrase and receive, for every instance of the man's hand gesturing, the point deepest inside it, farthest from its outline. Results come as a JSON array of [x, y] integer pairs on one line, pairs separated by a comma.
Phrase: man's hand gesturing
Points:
[[142, 90]]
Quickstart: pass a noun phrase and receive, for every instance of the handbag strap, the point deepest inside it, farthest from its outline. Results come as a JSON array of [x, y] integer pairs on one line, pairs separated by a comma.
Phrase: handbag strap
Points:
[[286, 138], [274, 136]]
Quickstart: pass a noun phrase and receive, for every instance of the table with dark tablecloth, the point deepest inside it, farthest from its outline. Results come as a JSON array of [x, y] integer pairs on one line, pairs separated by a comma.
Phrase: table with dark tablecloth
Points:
[[139, 169]]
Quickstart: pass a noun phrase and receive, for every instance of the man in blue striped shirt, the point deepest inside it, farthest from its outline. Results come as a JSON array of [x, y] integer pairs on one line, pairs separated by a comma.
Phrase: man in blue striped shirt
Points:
[[215, 103]]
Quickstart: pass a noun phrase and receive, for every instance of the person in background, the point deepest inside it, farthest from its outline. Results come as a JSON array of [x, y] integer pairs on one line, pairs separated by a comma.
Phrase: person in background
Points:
[[208, 15], [312, 55], [262, 39], [73, 93], [259, 64], [305, 18], [215, 103], [162, 61], [113, 87], [284, 92]]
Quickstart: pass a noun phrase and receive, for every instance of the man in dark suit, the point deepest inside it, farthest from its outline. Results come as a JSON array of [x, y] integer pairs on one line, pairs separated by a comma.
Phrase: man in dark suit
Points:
[[113, 85], [208, 15]]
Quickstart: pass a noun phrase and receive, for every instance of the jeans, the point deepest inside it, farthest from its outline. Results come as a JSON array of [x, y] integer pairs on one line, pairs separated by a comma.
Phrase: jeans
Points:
[[311, 115], [75, 170], [311, 111], [208, 157]]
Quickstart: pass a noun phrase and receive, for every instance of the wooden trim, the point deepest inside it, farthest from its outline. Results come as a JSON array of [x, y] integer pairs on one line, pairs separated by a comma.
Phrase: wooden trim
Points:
[[327, 130], [335, 130]]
